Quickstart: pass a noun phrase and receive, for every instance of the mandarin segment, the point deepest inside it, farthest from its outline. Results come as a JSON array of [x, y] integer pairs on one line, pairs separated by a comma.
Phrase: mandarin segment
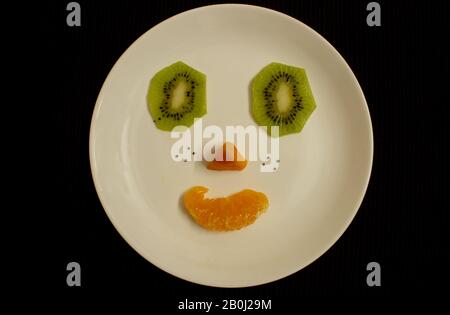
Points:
[[237, 163], [225, 213]]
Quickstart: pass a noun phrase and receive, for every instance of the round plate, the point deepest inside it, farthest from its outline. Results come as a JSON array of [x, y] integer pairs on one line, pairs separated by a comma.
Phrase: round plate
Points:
[[323, 172]]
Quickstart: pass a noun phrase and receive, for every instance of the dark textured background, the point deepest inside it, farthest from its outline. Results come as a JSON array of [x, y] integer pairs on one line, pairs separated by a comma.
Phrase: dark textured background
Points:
[[403, 68]]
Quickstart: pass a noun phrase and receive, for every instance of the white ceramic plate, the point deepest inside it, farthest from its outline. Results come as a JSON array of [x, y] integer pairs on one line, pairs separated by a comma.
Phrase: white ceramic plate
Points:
[[324, 170]]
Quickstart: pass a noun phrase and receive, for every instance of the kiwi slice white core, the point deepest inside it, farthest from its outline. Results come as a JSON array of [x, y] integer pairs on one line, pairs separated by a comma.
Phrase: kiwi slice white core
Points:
[[178, 95], [284, 98]]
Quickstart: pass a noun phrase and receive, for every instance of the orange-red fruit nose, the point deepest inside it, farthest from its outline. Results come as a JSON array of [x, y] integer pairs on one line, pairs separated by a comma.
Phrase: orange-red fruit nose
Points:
[[234, 162]]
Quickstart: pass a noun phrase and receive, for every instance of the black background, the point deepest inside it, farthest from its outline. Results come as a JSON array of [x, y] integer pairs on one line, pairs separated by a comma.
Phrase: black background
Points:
[[403, 69]]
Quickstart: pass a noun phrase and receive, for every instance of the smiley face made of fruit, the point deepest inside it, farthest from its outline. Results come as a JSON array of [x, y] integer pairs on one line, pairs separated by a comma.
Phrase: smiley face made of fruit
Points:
[[281, 96]]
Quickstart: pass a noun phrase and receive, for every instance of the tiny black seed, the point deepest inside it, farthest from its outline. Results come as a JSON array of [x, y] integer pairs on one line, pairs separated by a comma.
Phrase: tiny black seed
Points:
[[159, 118], [264, 164]]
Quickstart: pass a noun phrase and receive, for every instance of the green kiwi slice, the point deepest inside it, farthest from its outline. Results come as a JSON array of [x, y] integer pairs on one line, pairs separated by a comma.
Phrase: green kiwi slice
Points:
[[177, 95], [281, 96]]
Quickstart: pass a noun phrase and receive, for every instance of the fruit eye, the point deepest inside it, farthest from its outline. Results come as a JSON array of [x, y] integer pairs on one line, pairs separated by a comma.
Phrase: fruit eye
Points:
[[282, 97], [177, 95]]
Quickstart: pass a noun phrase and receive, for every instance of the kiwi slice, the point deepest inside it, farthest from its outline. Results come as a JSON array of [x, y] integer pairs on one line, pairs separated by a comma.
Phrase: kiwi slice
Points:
[[177, 94], [282, 97]]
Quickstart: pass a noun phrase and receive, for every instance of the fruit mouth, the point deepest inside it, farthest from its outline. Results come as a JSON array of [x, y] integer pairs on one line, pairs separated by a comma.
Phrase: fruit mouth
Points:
[[224, 213]]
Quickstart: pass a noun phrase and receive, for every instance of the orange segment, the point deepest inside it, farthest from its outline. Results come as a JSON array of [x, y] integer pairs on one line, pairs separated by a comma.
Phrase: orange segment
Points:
[[236, 164], [226, 213]]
